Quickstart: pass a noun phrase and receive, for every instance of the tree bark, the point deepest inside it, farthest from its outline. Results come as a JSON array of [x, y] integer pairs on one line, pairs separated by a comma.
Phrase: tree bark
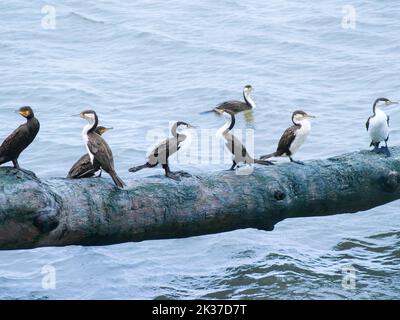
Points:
[[58, 212]]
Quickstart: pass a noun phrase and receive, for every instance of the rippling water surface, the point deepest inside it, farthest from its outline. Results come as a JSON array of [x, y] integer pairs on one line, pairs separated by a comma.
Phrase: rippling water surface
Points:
[[143, 63]]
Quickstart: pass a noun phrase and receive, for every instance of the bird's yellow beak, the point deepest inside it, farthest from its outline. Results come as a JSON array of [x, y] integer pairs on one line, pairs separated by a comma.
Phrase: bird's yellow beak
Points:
[[23, 113]]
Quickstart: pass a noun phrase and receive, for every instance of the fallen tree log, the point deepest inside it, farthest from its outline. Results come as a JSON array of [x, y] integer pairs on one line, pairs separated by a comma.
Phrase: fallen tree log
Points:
[[59, 212]]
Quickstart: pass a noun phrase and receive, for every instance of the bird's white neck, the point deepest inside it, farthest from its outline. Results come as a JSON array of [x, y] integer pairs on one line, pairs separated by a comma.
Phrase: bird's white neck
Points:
[[379, 111], [88, 127], [305, 124], [224, 128], [248, 99]]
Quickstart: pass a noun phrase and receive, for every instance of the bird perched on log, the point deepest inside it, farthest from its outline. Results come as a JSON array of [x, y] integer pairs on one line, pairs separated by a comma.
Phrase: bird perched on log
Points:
[[234, 145], [20, 139], [98, 150], [236, 106], [293, 137], [161, 153], [84, 168], [378, 125]]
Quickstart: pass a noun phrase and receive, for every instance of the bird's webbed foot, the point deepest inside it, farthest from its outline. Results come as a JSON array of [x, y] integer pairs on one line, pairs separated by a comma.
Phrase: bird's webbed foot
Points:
[[232, 168], [297, 161], [377, 150], [385, 151], [182, 174], [173, 175]]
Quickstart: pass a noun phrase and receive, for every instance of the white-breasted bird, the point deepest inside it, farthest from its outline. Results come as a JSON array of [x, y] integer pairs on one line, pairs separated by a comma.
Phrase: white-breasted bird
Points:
[[378, 125], [293, 137]]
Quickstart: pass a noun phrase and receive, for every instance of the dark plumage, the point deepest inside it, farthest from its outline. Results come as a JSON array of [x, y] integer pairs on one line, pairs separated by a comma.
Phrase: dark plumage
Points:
[[235, 106], [99, 151], [20, 139], [293, 137], [235, 146], [84, 168], [164, 150]]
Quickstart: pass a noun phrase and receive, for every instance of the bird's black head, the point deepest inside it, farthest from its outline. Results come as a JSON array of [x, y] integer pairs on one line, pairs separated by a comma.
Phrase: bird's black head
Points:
[[381, 102], [248, 88], [26, 112], [300, 115], [182, 124], [89, 115]]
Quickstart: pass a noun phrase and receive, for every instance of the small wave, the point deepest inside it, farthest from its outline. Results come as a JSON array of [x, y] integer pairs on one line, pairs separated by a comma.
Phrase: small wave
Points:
[[80, 16]]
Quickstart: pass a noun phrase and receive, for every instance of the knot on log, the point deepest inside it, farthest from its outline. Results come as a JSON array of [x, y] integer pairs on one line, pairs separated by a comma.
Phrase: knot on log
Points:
[[279, 195], [392, 181], [45, 221]]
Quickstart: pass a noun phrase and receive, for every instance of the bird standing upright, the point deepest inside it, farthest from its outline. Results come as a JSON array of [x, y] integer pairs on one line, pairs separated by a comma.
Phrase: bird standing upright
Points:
[[234, 145], [161, 153], [84, 168], [98, 150], [293, 137], [378, 125], [20, 139]]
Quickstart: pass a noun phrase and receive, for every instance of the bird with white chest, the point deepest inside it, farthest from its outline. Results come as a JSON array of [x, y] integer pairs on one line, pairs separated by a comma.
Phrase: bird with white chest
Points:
[[293, 137], [99, 152], [378, 125]]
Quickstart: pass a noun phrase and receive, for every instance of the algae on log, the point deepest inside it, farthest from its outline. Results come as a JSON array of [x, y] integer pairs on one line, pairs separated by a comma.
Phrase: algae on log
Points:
[[58, 212]]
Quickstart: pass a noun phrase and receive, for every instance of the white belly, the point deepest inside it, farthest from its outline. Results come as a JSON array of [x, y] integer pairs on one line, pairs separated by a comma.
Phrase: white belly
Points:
[[378, 127], [86, 139], [301, 136]]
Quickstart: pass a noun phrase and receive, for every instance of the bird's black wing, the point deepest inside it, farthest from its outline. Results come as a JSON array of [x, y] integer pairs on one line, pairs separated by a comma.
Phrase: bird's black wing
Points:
[[234, 106], [14, 140], [163, 151], [286, 140], [101, 151], [83, 168], [367, 123]]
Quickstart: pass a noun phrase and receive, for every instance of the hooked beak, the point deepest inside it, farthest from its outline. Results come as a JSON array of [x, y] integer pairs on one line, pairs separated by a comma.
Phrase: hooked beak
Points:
[[310, 116], [393, 102]]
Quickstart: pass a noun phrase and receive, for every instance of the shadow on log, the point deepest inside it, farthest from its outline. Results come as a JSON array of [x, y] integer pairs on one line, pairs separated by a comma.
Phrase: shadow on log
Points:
[[59, 212]]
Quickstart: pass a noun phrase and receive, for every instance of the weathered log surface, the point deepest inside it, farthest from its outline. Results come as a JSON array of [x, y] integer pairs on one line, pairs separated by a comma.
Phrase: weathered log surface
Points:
[[58, 212]]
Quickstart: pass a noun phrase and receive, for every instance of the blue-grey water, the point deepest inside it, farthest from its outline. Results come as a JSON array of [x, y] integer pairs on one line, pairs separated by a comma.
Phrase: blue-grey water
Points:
[[141, 64]]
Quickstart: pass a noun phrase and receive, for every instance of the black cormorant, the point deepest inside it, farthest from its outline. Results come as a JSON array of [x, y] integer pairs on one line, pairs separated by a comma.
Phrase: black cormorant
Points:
[[20, 139]]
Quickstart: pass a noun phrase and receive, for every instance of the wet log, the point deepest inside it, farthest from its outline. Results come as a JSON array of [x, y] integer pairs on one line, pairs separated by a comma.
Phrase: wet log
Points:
[[58, 212]]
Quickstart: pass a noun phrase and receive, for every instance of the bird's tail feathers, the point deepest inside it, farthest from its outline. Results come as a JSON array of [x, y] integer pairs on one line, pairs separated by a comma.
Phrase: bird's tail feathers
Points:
[[137, 168], [263, 162], [117, 180], [267, 156]]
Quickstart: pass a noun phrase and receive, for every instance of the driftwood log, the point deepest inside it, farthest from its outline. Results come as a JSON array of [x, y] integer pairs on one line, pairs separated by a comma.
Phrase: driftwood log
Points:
[[59, 212]]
